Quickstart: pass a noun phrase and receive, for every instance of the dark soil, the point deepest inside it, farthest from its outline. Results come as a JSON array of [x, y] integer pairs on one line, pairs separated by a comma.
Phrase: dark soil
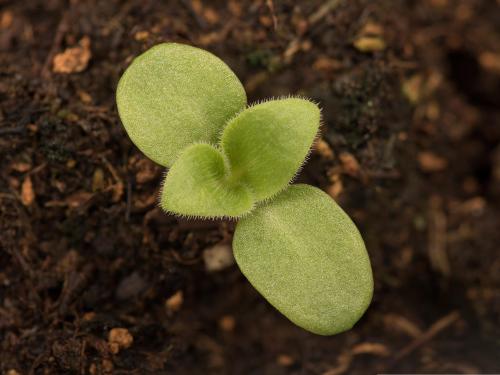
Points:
[[410, 149]]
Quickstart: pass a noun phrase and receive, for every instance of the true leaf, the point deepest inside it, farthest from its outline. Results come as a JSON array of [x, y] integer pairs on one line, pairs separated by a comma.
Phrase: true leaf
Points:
[[267, 143], [174, 95], [306, 257], [197, 185]]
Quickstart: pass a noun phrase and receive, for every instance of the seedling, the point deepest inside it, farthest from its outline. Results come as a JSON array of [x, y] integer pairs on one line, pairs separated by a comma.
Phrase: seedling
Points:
[[186, 110]]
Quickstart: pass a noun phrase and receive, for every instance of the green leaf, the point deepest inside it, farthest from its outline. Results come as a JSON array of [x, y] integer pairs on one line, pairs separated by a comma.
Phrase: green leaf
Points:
[[197, 185], [174, 95], [306, 257], [266, 144]]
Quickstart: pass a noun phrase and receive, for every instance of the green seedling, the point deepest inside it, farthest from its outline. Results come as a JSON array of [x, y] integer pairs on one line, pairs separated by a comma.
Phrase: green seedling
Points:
[[186, 110]]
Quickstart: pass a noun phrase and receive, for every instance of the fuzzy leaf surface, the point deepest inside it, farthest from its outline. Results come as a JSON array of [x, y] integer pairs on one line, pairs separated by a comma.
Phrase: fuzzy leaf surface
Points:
[[267, 143], [174, 95], [197, 185], [306, 257]]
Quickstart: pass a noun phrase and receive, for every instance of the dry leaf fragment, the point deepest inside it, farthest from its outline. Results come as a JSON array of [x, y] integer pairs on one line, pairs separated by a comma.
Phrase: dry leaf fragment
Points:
[[369, 44], [27, 192], [73, 59]]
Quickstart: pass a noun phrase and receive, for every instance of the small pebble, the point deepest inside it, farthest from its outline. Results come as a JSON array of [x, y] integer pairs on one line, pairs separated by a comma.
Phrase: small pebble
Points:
[[218, 257]]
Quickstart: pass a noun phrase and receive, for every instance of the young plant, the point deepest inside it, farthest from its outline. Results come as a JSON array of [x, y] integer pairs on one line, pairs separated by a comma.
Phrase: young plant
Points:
[[186, 110]]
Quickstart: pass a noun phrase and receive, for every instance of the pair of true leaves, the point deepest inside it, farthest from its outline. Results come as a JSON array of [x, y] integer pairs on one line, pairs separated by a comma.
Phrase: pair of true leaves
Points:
[[186, 110]]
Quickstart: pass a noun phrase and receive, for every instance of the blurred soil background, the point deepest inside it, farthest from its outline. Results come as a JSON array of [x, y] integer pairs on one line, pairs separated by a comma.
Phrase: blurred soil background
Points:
[[95, 279]]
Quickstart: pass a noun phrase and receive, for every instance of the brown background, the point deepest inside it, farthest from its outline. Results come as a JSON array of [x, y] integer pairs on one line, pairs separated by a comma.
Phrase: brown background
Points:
[[410, 93]]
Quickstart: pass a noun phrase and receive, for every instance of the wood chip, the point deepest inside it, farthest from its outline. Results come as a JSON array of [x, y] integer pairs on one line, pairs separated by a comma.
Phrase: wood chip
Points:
[[438, 256], [372, 28], [89, 316], [490, 61], [227, 323], [107, 366], [20, 167], [439, 3], [141, 35], [430, 162], [327, 65], [78, 199], [119, 338], [73, 59], [285, 360], [174, 302], [98, 182], [84, 97], [235, 8], [68, 262], [6, 19], [147, 171], [369, 44], [412, 88], [27, 192], [211, 16]]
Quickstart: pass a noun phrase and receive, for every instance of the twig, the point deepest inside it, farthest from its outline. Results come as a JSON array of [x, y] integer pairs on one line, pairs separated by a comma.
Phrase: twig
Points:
[[437, 237], [129, 200], [428, 335], [199, 20], [323, 11], [62, 28], [112, 170], [318, 15], [14, 130], [270, 5]]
